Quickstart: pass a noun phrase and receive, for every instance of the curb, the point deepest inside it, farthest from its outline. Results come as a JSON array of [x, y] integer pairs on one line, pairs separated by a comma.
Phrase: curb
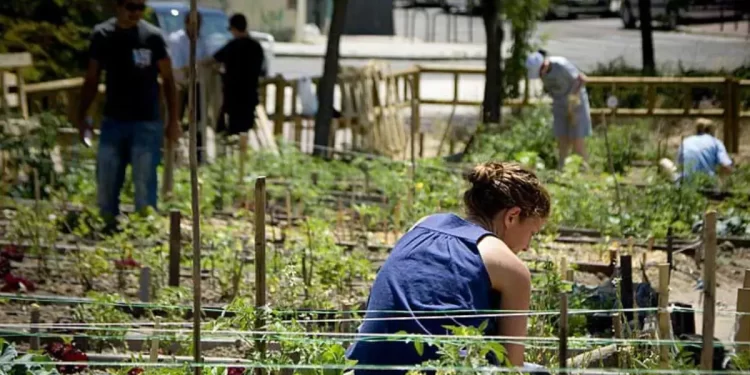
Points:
[[694, 31], [380, 52], [382, 57]]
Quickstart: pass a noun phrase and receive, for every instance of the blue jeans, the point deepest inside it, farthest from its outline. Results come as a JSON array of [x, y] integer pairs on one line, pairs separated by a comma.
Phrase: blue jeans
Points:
[[137, 143]]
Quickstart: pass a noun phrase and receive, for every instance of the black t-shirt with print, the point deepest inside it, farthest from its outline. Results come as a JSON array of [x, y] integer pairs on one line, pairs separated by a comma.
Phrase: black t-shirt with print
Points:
[[243, 61], [129, 57]]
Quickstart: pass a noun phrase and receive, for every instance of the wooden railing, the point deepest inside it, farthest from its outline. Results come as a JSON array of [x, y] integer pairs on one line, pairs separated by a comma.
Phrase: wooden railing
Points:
[[729, 89], [371, 102]]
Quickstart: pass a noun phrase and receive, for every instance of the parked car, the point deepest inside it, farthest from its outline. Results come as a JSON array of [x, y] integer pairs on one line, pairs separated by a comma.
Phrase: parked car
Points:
[[574, 8], [170, 17], [671, 13]]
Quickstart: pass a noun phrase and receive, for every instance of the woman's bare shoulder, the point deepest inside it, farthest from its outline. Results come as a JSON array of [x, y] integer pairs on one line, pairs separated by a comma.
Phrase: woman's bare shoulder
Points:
[[503, 266]]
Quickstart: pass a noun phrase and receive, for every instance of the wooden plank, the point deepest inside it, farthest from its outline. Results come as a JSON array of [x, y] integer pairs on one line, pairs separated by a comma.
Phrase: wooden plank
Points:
[[13, 61], [263, 132]]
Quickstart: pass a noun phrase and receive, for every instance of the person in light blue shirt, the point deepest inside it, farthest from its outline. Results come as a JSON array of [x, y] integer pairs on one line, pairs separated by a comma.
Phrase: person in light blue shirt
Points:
[[701, 153], [179, 51], [179, 48], [565, 83]]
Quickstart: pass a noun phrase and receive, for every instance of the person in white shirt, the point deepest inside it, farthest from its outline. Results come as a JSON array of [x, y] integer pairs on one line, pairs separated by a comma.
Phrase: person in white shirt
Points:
[[179, 50]]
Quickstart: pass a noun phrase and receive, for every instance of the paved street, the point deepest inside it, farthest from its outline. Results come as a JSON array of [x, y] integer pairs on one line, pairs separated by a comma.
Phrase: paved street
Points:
[[585, 41]]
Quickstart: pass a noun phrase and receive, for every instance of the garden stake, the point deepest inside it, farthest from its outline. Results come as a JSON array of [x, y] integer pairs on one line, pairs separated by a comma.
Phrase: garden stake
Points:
[[174, 247], [288, 204], [339, 217], [385, 220], [746, 283], [34, 329], [617, 333], [238, 273], [743, 324], [563, 333], [670, 248], [155, 340], [144, 284], [664, 326], [194, 193], [563, 267], [260, 262], [709, 290]]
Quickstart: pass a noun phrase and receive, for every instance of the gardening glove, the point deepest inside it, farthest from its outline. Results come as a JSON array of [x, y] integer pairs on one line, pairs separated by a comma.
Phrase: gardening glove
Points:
[[574, 101]]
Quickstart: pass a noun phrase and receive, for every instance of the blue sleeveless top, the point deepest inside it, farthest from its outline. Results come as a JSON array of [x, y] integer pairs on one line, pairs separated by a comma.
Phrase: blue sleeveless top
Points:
[[434, 269]]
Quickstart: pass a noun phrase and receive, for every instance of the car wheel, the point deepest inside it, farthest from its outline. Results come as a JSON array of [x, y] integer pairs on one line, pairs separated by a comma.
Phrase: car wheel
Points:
[[628, 21]]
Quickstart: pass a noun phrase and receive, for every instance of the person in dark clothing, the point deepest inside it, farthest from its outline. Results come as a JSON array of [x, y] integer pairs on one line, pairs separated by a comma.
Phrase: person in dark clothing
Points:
[[449, 270], [242, 59], [134, 53]]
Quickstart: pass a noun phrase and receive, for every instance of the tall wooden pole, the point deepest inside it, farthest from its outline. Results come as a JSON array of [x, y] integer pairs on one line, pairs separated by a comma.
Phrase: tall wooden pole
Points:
[[709, 290], [192, 74]]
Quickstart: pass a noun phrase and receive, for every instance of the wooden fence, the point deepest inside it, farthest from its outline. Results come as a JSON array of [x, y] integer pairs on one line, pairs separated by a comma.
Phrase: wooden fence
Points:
[[374, 101]]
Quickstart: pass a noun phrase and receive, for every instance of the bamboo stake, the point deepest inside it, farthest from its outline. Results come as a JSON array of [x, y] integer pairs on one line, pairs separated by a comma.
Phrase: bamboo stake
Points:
[[709, 290], [664, 328], [563, 267], [260, 261], [563, 334], [174, 247], [192, 75], [155, 340]]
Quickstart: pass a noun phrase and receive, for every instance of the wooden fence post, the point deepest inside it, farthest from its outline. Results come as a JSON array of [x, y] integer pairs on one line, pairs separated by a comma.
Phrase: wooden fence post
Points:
[[728, 131], [709, 290], [736, 109], [279, 117]]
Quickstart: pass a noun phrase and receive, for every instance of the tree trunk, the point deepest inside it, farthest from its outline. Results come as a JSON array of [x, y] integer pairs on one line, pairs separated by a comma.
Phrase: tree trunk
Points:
[[491, 104], [328, 82], [647, 37], [493, 79]]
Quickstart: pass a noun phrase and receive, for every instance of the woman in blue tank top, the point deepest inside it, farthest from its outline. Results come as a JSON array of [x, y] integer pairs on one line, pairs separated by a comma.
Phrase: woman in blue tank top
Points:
[[447, 270]]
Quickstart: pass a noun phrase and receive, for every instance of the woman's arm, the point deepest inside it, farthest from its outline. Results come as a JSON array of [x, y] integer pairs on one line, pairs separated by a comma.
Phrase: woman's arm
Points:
[[509, 276]]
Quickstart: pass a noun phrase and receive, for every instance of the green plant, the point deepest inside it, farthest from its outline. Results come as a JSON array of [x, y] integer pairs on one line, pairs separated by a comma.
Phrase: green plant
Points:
[[12, 363]]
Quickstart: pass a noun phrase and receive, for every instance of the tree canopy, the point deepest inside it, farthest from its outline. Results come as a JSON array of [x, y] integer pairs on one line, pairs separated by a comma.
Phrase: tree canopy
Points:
[[55, 32]]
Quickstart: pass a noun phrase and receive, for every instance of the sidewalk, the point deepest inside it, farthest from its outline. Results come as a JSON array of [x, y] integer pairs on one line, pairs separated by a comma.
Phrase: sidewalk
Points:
[[715, 29], [384, 47]]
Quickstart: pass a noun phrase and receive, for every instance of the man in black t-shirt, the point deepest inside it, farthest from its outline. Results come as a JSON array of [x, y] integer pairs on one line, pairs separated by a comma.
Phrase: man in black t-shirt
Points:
[[133, 53], [243, 65]]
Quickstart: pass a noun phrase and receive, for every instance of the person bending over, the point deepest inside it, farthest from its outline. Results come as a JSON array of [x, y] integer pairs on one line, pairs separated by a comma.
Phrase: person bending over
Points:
[[446, 265], [701, 153], [566, 84]]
